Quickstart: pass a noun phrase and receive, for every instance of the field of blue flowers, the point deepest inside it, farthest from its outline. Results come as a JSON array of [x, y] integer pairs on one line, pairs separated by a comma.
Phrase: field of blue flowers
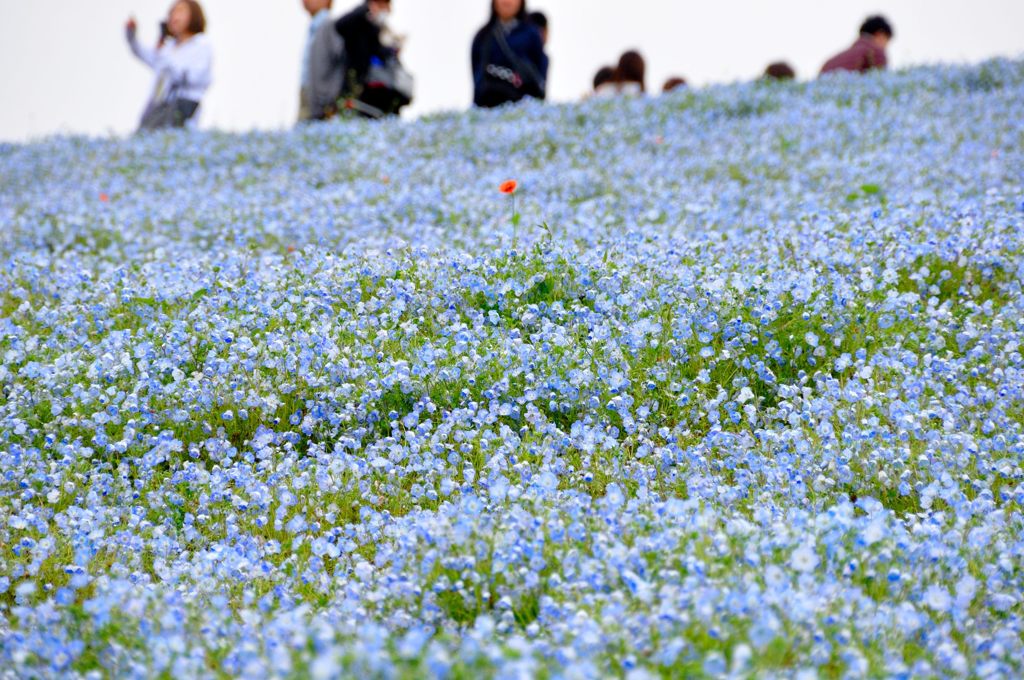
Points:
[[735, 389]]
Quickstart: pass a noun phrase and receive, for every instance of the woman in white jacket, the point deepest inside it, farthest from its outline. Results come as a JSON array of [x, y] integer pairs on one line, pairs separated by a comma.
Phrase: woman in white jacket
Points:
[[182, 62]]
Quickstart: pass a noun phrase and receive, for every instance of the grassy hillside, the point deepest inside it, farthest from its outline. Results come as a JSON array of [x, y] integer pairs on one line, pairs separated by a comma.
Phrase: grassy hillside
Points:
[[733, 385]]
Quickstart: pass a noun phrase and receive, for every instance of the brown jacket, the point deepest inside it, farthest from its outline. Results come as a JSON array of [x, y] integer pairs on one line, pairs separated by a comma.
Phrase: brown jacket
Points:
[[862, 56]]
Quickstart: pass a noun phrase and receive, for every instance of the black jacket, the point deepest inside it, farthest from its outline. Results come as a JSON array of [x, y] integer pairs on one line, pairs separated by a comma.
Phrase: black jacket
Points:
[[362, 44], [497, 79]]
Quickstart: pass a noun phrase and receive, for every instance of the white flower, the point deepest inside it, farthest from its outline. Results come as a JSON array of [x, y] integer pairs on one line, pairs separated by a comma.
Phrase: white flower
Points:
[[804, 559], [873, 532], [937, 598]]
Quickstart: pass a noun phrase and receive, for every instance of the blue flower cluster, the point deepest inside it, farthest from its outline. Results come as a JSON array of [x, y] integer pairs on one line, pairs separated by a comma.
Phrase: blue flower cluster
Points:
[[738, 391]]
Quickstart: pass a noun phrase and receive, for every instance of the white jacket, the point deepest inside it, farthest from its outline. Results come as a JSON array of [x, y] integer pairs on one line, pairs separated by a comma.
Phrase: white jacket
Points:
[[184, 71]]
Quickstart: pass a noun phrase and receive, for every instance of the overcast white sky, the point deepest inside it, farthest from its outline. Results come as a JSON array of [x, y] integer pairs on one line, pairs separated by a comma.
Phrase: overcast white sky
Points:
[[65, 67]]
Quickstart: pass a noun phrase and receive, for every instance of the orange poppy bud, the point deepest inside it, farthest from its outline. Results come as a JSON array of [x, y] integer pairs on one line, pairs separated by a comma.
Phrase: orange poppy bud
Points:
[[508, 187]]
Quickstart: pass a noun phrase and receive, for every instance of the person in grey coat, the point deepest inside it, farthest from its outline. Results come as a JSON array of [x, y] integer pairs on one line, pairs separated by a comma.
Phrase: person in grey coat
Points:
[[326, 72], [319, 13]]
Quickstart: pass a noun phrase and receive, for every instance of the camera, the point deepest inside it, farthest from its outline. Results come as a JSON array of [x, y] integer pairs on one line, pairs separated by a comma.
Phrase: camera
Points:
[[165, 31]]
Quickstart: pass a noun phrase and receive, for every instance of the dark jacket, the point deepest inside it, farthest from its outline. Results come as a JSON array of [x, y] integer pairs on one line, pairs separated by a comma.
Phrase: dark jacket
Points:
[[499, 79], [862, 56], [362, 44]]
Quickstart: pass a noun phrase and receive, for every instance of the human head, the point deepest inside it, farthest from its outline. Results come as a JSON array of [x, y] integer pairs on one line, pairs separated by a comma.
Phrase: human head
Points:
[[314, 7], [604, 75], [632, 69], [673, 83], [878, 29], [779, 70], [186, 19], [378, 7], [506, 10], [540, 20]]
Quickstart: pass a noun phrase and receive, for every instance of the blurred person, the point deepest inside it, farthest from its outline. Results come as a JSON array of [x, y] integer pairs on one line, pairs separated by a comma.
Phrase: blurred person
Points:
[[631, 73], [508, 58], [779, 70], [326, 73], [604, 82], [673, 83], [182, 62], [540, 20], [868, 52], [355, 59], [319, 14], [361, 30]]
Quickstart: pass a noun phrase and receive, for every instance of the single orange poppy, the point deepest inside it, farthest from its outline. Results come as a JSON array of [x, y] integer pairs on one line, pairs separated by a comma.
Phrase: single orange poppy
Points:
[[508, 187], [104, 198]]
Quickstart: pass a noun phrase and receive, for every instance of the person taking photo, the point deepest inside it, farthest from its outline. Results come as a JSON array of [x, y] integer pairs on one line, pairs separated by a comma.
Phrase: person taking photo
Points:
[[182, 63]]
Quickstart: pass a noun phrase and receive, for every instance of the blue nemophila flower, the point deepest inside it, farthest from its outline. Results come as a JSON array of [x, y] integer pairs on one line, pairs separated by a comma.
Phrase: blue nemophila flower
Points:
[[264, 387]]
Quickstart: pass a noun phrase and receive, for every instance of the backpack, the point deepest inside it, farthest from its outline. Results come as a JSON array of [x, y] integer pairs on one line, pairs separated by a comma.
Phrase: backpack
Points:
[[387, 90]]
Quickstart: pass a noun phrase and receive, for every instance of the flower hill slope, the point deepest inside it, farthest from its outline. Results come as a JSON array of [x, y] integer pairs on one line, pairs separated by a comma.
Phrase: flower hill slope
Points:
[[739, 392]]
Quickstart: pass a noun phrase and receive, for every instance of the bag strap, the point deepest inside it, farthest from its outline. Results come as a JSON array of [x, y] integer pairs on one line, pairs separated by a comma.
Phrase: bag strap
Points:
[[175, 85], [521, 65]]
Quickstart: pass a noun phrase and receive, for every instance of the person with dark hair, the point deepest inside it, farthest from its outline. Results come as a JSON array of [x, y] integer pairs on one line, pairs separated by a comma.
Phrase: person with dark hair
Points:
[[319, 14], [673, 83], [779, 70], [508, 58], [604, 82], [631, 73], [868, 52], [540, 20], [182, 62]]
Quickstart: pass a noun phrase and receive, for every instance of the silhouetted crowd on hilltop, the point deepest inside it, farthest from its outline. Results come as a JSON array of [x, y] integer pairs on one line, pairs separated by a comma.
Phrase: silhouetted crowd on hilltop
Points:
[[351, 65]]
